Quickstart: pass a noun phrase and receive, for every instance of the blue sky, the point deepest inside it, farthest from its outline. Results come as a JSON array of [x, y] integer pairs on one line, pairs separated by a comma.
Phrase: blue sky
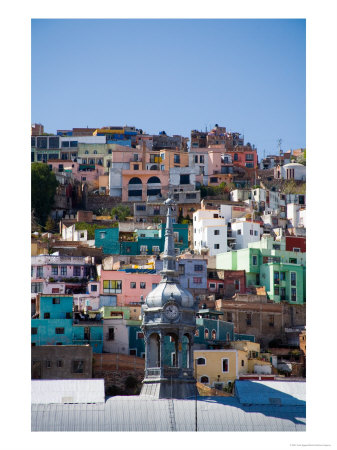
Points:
[[173, 75]]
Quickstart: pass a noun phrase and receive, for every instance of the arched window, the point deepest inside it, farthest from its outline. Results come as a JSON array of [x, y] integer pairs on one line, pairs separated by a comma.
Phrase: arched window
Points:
[[204, 379], [201, 361], [86, 152], [213, 334], [153, 186], [135, 180], [196, 333], [153, 180], [206, 333], [95, 152]]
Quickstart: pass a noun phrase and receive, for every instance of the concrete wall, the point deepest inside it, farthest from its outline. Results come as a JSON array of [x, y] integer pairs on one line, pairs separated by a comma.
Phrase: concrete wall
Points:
[[62, 356]]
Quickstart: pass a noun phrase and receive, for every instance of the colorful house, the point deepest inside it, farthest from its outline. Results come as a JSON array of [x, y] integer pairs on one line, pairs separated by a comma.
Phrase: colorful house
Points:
[[281, 272], [128, 285], [56, 325], [146, 242]]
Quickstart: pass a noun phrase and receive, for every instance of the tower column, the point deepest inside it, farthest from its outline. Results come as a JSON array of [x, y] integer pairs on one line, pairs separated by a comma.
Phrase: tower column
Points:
[[162, 353]]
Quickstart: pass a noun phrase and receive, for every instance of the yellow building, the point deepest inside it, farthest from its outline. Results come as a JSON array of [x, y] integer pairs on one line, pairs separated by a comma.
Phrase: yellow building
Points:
[[217, 368]]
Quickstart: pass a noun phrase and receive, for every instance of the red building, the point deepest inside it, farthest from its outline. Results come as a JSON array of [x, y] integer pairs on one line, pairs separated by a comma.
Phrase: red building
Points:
[[233, 282], [296, 244]]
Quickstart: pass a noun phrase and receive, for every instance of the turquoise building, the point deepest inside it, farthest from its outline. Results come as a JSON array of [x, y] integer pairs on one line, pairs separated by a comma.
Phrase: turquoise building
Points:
[[55, 325], [149, 242], [267, 263]]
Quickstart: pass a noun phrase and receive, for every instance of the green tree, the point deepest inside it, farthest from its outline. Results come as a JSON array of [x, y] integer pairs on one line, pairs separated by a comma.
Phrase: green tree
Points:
[[120, 212], [44, 185], [50, 225]]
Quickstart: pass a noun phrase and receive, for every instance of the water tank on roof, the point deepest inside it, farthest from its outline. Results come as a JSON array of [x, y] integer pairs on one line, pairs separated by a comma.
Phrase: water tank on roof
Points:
[[162, 132]]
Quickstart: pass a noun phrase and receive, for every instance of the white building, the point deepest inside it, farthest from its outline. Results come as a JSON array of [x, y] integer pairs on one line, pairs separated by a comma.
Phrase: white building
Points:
[[244, 232], [71, 234], [296, 215], [291, 171], [209, 232]]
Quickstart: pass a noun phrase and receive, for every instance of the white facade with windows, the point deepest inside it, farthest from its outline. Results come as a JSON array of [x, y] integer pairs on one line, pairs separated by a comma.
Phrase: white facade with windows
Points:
[[245, 232], [209, 232]]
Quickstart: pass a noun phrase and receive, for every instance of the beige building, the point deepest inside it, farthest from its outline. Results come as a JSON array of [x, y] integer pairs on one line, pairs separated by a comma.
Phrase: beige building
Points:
[[220, 368]]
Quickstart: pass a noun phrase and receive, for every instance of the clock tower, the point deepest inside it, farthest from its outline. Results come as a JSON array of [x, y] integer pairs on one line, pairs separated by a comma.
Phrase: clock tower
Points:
[[168, 323]]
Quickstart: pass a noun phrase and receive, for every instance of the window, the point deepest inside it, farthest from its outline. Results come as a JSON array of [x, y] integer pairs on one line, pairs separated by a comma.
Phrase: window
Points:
[[213, 334], [254, 260], [143, 248], [206, 333], [249, 157], [271, 320], [111, 334], [293, 294], [56, 300], [59, 330], [176, 159], [204, 379], [293, 278], [196, 333], [136, 167], [155, 248], [239, 231], [216, 232], [201, 159], [236, 157], [229, 317], [34, 330], [242, 362], [212, 285], [198, 268], [225, 365], [195, 158], [296, 249], [102, 234], [201, 361], [256, 233], [140, 335], [77, 366], [292, 261], [249, 319], [181, 269], [48, 364], [276, 277], [133, 285], [94, 288], [140, 207], [59, 363], [276, 290], [237, 285], [36, 288], [77, 271], [213, 179], [251, 232], [87, 333], [216, 246], [133, 352], [39, 272], [68, 315], [184, 179], [46, 315], [63, 270], [142, 285], [197, 280], [276, 246], [162, 167], [112, 286]]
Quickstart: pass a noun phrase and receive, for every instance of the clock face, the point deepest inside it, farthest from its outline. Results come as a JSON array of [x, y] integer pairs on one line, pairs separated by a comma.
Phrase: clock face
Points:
[[171, 312]]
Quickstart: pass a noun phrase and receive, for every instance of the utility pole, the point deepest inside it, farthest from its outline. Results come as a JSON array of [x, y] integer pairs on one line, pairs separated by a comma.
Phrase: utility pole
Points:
[[279, 142]]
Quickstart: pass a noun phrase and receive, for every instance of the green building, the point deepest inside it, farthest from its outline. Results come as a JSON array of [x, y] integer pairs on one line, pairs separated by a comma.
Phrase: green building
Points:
[[267, 263], [148, 242]]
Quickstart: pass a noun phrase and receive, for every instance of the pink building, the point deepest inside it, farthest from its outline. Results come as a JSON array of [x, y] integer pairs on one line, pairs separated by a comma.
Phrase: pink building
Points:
[[127, 286], [142, 185], [80, 172]]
